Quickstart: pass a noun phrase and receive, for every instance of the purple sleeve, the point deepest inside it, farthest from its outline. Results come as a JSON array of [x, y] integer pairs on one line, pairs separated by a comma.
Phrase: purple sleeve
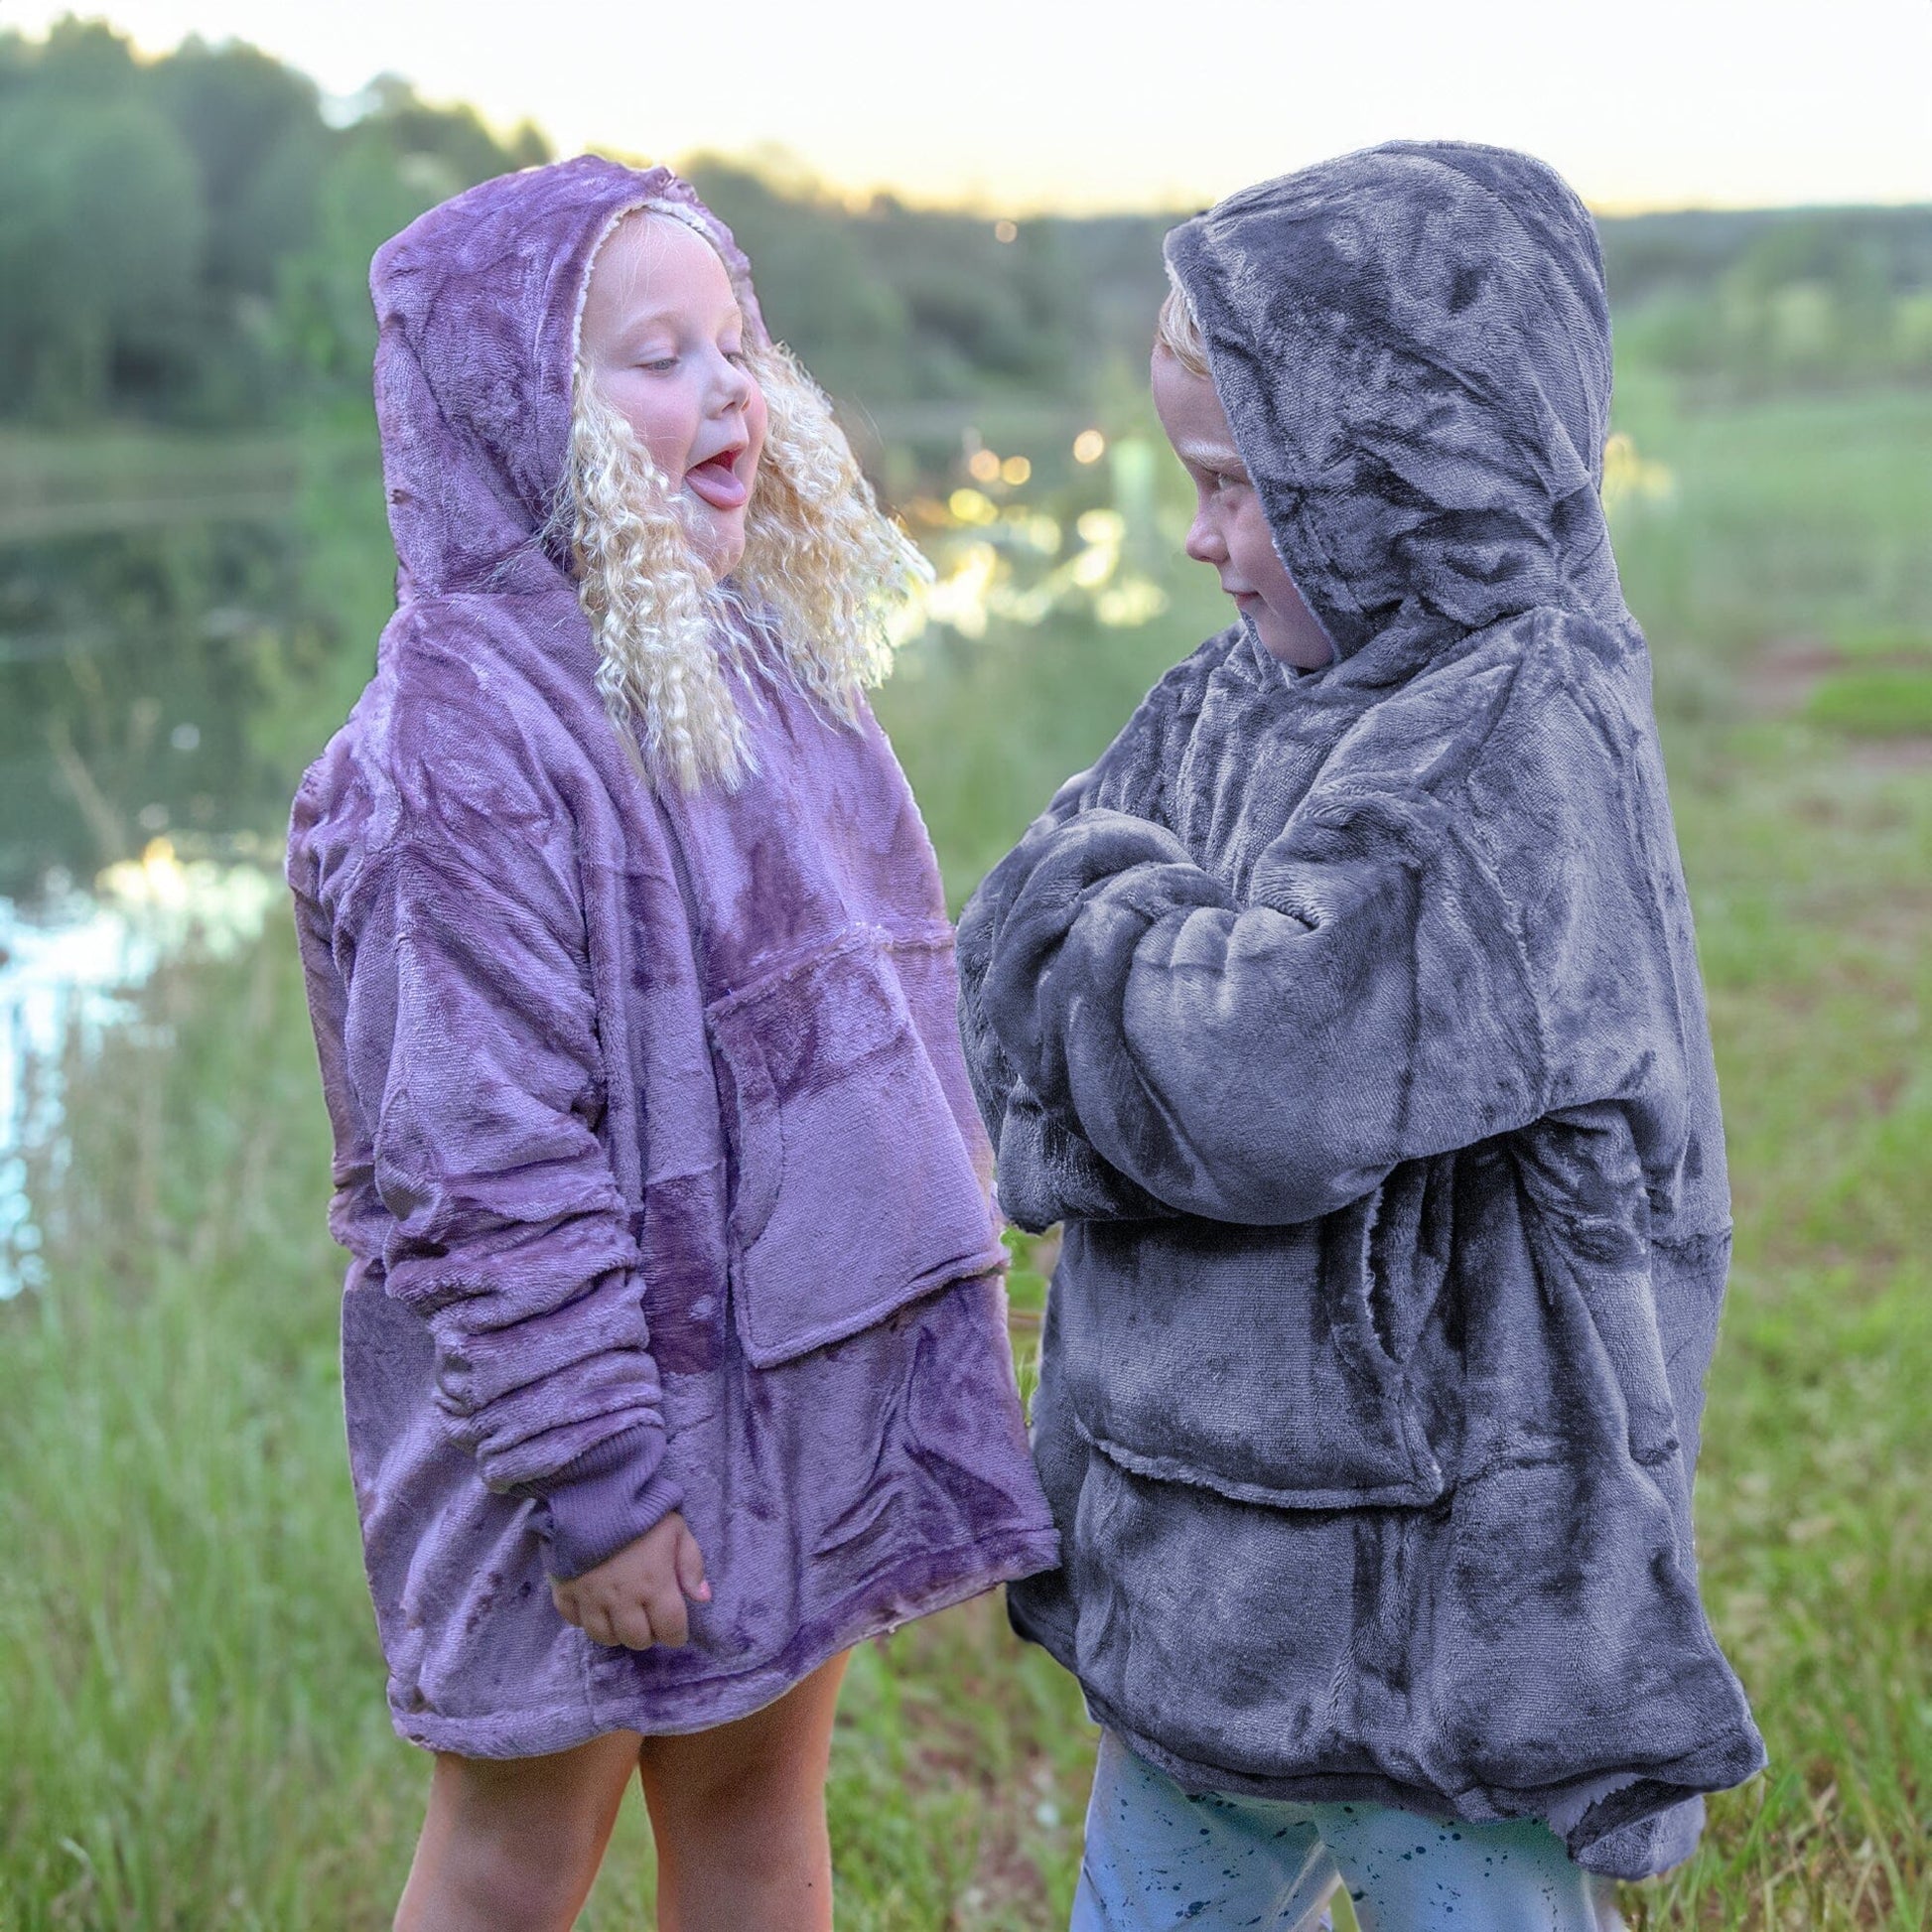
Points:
[[471, 1041]]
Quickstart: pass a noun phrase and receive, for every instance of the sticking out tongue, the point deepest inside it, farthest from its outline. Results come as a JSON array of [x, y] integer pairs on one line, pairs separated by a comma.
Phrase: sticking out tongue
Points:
[[716, 483]]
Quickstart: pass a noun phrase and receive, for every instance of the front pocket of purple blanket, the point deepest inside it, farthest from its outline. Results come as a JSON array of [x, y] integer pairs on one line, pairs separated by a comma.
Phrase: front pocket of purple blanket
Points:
[[853, 1190]]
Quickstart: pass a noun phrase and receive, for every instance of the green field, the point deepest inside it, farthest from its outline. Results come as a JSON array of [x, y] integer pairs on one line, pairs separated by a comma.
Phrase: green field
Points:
[[191, 1708]]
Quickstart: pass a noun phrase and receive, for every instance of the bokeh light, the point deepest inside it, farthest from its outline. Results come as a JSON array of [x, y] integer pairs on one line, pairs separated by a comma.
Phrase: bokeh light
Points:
[[1089, 446], [969, 506]]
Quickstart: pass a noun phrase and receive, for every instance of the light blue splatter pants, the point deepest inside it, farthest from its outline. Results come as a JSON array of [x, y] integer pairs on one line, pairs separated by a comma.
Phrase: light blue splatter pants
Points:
[[1158, 1859]]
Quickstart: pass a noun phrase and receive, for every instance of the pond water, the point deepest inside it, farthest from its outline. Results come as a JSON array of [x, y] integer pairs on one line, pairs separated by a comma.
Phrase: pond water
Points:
[[69, 967], [164, 676]]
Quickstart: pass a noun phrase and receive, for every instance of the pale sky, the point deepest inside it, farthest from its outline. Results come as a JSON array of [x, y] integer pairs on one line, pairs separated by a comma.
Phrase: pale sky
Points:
[[1017, 105]]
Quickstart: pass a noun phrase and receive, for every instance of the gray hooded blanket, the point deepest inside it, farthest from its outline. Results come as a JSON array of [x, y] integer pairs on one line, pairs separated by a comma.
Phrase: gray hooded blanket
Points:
[[1351, 1023]]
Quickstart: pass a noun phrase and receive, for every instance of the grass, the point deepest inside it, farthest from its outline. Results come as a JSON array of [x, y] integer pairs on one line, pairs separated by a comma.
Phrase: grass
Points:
[[191, 1694], [1809, 871], [1884, 703], [1798, 516]]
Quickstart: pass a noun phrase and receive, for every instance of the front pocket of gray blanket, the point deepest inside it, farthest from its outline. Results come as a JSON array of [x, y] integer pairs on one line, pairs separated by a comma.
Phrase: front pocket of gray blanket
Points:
[[1245, 1360]]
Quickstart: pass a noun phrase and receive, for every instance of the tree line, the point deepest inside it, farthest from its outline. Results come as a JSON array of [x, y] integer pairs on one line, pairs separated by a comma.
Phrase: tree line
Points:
[[185, 239]]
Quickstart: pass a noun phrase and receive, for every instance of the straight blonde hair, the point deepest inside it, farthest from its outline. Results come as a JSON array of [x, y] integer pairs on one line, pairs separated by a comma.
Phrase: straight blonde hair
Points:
[[1178, 330]]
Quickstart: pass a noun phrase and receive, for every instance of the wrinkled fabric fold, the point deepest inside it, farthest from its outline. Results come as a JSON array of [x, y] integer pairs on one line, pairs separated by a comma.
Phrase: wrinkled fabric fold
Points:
[[471, 1045]]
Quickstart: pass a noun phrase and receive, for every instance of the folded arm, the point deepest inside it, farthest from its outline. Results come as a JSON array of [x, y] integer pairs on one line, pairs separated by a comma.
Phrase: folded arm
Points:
[[1047, 1171], [1268, 1062], [1464, 926]]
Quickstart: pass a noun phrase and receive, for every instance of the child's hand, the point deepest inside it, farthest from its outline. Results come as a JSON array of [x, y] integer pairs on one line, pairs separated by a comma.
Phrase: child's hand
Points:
[[637, 1598]]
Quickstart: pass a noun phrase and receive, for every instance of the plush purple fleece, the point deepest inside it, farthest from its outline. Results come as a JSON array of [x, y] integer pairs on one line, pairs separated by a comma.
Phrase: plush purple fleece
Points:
[[654, 1150]]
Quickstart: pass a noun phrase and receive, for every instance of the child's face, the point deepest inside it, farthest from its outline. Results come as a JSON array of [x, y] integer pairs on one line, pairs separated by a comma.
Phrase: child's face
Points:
[[1229, 530], [663, 337]]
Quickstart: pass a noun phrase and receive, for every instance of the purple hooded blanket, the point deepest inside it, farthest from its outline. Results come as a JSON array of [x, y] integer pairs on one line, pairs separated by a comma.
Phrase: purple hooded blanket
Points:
[[654, 1150]]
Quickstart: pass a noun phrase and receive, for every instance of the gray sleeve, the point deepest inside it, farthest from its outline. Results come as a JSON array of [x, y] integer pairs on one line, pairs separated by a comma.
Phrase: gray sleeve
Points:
[[1266, 1063], [1046, 1169]]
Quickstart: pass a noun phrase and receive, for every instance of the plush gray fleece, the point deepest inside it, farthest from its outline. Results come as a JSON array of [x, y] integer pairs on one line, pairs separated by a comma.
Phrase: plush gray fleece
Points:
[[1351, 1023]]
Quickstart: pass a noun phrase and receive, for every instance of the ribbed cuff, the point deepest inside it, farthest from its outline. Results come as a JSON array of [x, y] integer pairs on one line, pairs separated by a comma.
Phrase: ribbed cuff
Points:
[[605, 1498]]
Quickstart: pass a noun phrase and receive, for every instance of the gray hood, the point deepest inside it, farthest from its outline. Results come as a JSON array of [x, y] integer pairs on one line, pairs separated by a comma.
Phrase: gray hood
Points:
[[1413, 348]]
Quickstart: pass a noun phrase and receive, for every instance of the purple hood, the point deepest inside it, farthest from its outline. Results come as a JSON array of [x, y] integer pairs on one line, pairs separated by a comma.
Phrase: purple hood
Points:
[[478, 303]]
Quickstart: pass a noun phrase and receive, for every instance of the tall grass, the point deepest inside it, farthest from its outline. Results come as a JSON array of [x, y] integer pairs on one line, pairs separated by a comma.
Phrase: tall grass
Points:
[[192, 1728]]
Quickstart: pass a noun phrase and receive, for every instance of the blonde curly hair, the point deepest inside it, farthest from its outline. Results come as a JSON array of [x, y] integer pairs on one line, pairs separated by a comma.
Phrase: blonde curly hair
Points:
[[822, 570]]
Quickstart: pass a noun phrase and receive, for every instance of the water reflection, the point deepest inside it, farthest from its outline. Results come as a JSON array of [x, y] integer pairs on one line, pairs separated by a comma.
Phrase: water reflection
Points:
[[172, 676], [162, 681], [68, 971], [165, 678]]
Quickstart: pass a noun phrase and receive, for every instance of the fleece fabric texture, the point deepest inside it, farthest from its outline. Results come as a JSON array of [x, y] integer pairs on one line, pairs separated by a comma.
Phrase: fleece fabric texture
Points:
[[654, 1149], [1351, 1021]]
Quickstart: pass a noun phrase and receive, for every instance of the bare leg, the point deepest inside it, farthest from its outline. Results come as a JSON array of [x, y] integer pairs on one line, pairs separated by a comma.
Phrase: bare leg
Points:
[[739, 1814], [512, 1845]]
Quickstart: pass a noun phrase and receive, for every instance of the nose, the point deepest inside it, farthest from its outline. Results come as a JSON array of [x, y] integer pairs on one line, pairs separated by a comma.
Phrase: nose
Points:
[[734, 387], [1204, 543]]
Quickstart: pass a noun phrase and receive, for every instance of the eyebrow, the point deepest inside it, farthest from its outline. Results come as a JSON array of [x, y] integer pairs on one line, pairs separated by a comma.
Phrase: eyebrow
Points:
[[667, 311], [1211, 456]]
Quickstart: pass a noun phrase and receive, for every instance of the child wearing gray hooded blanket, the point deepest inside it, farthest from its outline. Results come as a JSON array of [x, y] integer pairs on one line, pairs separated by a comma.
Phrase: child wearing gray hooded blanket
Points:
[[1347, 1014]]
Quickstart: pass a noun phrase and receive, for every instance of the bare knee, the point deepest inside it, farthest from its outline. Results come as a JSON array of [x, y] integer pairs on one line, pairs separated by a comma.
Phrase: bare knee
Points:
[[513, 1846], [744, 1854], [739, 1814], [483, 1886], [755, 1807], [765, 1770]]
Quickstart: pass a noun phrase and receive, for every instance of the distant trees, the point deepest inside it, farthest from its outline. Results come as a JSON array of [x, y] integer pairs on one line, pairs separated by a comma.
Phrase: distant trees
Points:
[[896, 304], [101, 227], [188, 239], [381, 172]]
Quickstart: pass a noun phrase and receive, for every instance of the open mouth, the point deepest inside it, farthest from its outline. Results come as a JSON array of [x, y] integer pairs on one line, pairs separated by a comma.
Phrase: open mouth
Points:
[[716, 481]]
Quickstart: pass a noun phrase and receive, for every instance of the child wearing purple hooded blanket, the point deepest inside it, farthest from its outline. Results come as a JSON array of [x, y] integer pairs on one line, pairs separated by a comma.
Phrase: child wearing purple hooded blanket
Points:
[[673, 1338], [1347, 1014]]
